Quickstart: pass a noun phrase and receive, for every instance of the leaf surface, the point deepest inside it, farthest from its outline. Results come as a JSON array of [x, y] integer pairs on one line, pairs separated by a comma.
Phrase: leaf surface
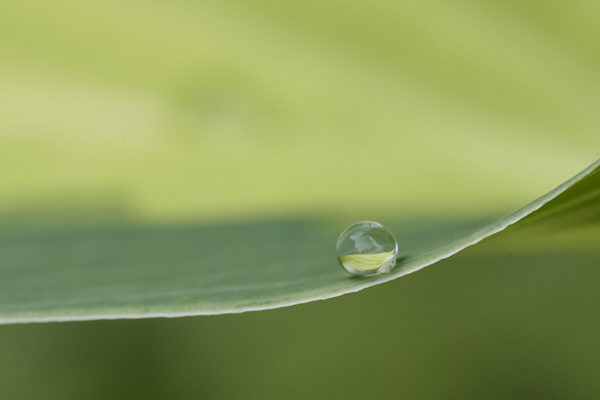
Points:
[[120, 271]]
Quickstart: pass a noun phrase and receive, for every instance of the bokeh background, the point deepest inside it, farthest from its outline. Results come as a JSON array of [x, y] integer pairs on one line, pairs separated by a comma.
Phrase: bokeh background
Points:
[[202, 112]]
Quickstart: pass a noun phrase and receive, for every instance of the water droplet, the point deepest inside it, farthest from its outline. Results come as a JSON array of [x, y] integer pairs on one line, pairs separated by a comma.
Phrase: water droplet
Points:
[[367, 248]]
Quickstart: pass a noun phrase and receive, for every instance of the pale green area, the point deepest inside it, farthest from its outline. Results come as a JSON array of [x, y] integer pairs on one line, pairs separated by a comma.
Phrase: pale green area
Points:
[[224, 110]]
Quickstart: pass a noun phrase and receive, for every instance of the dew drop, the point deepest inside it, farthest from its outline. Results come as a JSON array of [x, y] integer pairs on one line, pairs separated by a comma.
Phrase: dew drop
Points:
[[367, 248]]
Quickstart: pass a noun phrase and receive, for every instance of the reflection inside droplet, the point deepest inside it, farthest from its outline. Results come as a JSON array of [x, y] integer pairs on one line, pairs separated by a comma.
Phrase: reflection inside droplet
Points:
[[367, 248]]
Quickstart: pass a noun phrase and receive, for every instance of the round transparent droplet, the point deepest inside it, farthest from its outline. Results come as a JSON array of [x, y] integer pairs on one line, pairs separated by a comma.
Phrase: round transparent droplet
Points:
[[367, 248]]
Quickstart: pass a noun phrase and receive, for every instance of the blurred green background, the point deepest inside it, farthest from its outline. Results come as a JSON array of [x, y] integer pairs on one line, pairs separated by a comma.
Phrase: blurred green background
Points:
[[227, 110], [221, 111]]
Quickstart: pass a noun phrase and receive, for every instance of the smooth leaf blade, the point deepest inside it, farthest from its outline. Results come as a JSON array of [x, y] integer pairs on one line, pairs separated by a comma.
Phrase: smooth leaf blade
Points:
[[120, 271]]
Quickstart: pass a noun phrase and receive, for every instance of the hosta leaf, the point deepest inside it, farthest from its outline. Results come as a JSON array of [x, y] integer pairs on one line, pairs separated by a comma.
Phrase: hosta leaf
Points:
[[52, 273]]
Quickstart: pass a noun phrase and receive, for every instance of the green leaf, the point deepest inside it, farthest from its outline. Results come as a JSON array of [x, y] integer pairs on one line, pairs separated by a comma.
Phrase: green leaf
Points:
[[52, 273]]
